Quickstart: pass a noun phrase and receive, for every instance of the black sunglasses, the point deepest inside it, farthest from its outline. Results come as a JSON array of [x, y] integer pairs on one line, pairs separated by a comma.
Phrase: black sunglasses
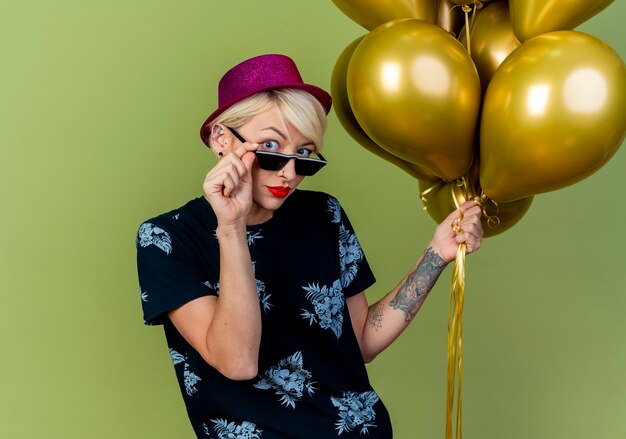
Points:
[[274, 161]]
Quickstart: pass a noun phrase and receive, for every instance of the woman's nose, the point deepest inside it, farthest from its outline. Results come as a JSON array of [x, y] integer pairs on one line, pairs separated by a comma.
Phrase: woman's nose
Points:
[[289, 170]]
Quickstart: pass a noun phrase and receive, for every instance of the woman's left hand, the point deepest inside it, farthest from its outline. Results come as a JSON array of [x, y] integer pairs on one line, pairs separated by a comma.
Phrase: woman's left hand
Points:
[[453, 231]]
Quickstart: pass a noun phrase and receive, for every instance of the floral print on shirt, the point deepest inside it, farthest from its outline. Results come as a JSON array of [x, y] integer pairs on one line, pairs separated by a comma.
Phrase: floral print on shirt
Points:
[[335, 210], [355, 410], [230, 430], [190, 379], [328, 303], [288, 379], [149, 234], [350, 255]]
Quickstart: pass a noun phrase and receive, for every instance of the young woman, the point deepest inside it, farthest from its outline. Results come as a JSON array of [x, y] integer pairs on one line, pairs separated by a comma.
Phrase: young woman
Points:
[[260, 286]]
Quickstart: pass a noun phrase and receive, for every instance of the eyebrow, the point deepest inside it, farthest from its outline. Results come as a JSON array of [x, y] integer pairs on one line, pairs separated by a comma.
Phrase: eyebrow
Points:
[[277, 131]]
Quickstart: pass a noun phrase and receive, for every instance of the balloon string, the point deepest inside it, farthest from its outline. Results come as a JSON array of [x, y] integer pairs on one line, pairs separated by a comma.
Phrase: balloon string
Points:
[[455, 345], [463, 186], [493, 221], [427, 191], [467, 9], [477, 5], [455, 325]]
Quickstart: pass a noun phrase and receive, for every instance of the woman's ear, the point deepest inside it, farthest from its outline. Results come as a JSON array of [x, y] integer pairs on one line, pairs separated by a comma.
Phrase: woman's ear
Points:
[[218, 140]]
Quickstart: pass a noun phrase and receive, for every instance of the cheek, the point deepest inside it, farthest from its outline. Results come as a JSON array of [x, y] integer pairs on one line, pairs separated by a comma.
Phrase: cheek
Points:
[[298, 180], [260, 179]]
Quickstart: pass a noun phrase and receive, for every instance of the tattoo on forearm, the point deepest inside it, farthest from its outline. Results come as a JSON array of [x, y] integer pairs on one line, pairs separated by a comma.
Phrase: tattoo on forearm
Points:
[[418, 284], [375, 316]]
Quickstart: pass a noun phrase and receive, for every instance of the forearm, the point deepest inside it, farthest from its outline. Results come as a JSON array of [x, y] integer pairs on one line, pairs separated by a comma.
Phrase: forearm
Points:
[[234, 334], [387, 318]]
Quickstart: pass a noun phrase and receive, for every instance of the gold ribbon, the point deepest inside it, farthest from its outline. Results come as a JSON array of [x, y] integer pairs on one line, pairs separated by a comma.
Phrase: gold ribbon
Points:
[[455, 344], [455, 326], [493, 221], [468, 26], [467, 9], [427, 191]]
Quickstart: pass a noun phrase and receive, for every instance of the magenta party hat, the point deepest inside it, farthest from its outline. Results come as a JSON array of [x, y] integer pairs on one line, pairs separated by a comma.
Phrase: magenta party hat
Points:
[[254, 75]]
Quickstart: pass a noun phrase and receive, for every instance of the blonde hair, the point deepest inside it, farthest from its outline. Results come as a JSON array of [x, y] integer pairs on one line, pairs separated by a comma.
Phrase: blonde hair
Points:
[[296, 107]]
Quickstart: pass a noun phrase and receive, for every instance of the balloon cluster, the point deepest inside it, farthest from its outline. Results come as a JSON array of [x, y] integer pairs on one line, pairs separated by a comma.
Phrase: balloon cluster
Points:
[[503, 103]]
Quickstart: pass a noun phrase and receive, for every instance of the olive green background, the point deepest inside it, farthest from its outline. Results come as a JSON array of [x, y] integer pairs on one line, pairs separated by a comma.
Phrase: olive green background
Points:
[[101, 102]]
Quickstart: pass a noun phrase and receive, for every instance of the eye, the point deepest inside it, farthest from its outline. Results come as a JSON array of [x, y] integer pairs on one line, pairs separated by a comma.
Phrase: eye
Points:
[[270, 145], [304, 152]]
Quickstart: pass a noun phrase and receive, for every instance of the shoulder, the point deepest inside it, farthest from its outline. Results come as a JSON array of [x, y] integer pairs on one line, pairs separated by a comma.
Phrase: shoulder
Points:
[[308, 200], [315, 205], [327, 205], [160, 229]]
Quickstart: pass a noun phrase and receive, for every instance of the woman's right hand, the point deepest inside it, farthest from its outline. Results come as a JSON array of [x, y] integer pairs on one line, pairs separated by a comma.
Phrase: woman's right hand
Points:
[[228, 186]]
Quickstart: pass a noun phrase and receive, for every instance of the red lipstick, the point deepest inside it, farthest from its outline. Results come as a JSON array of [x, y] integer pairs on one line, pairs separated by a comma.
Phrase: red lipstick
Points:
[[279, 191]]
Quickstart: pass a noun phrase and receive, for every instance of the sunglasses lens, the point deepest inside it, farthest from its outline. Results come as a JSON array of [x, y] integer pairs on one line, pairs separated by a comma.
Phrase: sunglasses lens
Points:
[[270, 161], [308, 167]]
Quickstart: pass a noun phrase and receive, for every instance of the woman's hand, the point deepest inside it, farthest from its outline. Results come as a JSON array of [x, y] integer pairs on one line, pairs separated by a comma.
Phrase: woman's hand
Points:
[[453, 231], [228, 186]]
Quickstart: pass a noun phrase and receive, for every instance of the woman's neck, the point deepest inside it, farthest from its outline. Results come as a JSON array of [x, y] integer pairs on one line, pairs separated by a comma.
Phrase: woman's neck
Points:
[[258, 215]]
